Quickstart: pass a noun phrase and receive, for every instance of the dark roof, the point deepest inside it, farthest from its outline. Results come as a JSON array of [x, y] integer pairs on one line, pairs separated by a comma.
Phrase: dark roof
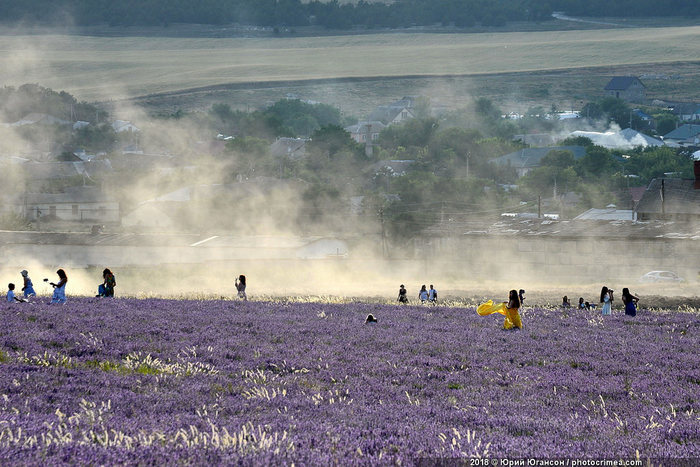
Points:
[[680, 197], [683, 132], [531, 157], [620, 83], [685, 108], [85, 194]]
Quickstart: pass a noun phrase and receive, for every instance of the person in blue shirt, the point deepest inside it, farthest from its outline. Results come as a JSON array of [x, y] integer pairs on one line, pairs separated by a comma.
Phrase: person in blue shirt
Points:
[[423, 294], [11, 297], [432, 295], [59, 289]]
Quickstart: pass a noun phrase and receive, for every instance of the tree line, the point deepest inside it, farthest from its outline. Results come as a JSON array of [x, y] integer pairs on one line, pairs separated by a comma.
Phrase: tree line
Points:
[[329, 14]]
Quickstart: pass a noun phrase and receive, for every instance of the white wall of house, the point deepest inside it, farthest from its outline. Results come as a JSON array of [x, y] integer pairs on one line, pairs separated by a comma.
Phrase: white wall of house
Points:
[[97, 212]]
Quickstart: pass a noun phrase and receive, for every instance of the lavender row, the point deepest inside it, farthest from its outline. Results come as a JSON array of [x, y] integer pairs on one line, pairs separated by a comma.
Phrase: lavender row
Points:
[[153, 381]]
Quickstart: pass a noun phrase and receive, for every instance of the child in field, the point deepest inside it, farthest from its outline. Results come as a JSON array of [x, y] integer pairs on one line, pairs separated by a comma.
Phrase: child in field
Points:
[[11, 297], [423, 294], [240, 287], [565, 303], [106, 289], [28, 287], [370, 319], [59, 289], [508, 309]]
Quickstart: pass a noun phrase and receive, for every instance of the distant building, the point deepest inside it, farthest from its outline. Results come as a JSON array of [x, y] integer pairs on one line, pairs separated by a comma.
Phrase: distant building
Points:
[[291, 148], [674, 199], [121, 126], [607, 214], [364, 132], [686, 111], [397, 112], [627, 88], [40, 119], [77, 204], [684, 135], [527, 159], [624, 139]]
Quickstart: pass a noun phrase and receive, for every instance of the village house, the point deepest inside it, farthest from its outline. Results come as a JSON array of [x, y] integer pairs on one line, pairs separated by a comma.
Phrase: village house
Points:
[[365, 132], [686, 111], [75, 204], [527, 159], [291, 148], [627, 88], [40, 119], [394, 113], [623, 139], [684, 135], [674, 199]]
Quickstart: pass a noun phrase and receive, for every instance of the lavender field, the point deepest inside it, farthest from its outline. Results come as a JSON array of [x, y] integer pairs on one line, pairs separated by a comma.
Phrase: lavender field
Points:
[[177, 381]]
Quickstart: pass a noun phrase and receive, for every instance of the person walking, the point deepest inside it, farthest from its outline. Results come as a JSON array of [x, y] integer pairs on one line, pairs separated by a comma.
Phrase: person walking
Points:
[[432, 295], [28, 287], [423, 294]]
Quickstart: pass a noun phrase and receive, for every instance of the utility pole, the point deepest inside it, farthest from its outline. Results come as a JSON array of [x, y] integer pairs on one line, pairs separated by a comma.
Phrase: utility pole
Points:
[[539, 206], [663, 196], [385, 252]]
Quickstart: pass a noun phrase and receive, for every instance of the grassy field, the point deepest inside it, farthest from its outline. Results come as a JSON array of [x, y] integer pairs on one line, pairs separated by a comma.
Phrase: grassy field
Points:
[[98, 68]]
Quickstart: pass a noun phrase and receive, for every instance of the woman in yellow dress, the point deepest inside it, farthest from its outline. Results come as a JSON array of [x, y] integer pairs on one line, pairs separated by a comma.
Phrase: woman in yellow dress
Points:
[[509, 310]]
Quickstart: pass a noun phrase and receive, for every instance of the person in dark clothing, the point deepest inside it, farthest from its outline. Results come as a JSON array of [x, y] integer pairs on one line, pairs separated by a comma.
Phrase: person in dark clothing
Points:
[[403, 297]]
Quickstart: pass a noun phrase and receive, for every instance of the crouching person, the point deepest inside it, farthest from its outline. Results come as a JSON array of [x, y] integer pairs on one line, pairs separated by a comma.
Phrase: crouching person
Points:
[[106, 288]]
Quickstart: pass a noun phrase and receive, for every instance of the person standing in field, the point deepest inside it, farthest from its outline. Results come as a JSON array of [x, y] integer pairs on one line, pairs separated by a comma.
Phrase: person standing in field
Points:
[[28, 287], [403, 298], [106, 289], [630, 302], [432, 295], [606, 300], [508, 309], [423, 294], [59, 289], [240, 287]]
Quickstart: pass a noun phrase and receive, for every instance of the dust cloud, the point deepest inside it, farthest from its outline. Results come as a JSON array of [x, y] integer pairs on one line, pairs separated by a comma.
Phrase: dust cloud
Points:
[[245, 206]]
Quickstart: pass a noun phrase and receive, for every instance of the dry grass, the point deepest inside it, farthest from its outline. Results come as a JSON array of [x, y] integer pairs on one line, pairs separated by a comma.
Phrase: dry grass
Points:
[[96, 68]]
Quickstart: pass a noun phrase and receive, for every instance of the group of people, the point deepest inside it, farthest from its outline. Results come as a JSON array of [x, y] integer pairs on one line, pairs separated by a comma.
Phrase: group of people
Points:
[[424, 295], [606, 299], [105, 289]]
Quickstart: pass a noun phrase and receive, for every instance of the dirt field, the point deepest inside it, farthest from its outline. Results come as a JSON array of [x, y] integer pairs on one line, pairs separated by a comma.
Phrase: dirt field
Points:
[[100, 68]]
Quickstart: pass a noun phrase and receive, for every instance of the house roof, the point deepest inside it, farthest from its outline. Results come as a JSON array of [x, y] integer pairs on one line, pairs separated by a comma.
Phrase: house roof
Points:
[[70, 196], [680, 197], [45, 119], [620, 83], [288, 147], [683, 132], [394, 167], [685, 108], [57, 170], [611, 214], [375, 126], [624, 139], [387, 113], [531, 157]]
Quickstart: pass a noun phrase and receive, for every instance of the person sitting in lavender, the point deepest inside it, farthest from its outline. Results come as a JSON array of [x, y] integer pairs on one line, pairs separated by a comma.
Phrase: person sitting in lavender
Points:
[[11, 297]]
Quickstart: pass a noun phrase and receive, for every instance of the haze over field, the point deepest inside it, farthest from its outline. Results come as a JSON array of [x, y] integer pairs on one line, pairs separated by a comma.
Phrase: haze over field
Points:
[[101, 68]]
